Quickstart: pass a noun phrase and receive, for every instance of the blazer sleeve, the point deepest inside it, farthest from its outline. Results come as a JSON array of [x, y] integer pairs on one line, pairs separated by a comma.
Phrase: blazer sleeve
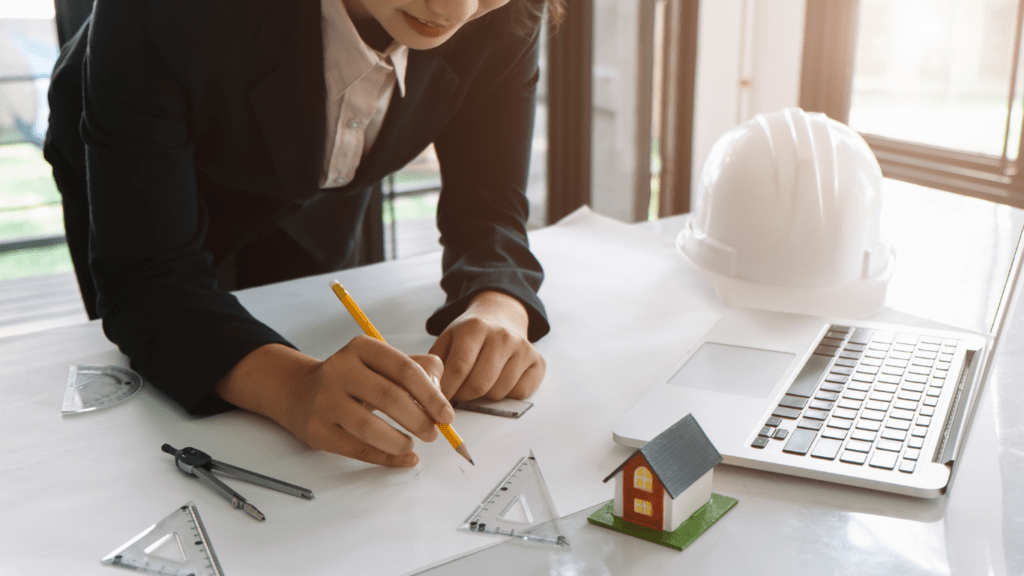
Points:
[[157, 292], [484, 154]]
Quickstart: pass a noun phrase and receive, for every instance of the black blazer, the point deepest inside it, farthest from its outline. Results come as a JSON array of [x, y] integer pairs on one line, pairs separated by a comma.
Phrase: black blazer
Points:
[[182, 129]]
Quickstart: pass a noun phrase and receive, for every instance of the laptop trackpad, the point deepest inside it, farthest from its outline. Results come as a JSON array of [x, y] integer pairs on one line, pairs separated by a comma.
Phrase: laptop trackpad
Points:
[[733, 370]]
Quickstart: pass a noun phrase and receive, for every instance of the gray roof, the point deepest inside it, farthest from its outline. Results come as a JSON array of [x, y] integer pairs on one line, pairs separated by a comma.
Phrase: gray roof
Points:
[[679, 456]]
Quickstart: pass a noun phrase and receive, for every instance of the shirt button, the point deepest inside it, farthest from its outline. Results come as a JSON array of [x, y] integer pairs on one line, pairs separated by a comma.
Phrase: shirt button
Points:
[[354, 124]]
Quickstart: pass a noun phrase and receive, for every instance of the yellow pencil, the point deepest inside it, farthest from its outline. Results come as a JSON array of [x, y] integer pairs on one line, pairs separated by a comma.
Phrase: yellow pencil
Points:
[[370, 330]]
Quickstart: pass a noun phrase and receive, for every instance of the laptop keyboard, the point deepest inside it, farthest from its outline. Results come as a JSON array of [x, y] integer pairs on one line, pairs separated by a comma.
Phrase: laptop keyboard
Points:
[[865, 397]]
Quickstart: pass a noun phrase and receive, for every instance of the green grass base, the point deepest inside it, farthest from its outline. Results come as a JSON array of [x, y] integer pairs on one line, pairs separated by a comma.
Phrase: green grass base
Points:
[[682, 537]]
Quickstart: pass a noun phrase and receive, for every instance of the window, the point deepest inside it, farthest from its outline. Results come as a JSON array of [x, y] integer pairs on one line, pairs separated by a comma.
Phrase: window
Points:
[[31, 221], [643, 507], [643, 480], [934, 86]]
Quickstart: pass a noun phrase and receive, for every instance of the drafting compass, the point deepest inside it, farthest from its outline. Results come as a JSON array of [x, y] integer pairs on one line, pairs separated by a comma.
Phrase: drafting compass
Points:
[[199, 464]]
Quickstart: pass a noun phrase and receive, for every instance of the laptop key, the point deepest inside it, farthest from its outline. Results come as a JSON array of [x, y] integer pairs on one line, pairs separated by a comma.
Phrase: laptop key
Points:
[[881, 459], [807, 380], [904, 404], [890, 445], [809, 424], [911, 454], [891, 434], [759, 442], [789, 401], [872, 415], [773, 421], [827, 396], [835, 433], [832, 386], [859, 386], [897, 424], [800, 441], [786, 413], [820, 405], [876, 405], [826, 350], [840, 423], [853, 457], [850, 404], [780, 434], [858, 446], [863, 435], [861, 336], [765, 431], [902, 414], [878, 396], [816, 414], [907, 466], [846, 413], [871, 425], [827, 448], [916, 443]]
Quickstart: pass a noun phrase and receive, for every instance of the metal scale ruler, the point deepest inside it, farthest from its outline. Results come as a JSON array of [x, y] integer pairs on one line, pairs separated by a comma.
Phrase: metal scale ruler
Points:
[[519, 507], [94, 387], [180, 535]]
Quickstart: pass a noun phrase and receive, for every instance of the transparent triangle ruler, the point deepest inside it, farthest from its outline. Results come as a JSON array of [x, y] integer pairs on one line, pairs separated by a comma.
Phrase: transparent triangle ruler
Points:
[[519, 507], [95, 387], [175, 546]]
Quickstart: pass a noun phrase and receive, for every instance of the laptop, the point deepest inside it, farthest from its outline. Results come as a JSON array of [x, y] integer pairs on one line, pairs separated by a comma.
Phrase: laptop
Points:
[[868, 404]]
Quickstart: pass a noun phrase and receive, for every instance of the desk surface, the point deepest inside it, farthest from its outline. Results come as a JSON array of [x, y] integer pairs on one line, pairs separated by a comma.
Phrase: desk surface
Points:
[[77, 487]]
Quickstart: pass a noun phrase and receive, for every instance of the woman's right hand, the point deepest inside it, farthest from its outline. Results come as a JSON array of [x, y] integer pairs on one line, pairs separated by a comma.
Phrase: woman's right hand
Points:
[[329, 404]]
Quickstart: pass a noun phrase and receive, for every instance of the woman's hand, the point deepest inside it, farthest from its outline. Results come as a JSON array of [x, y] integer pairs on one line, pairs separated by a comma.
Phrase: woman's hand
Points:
[[329, 404], [486, 352]]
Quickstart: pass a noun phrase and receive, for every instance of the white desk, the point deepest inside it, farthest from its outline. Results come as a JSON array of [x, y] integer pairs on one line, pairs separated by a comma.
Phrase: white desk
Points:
[[623, 307]]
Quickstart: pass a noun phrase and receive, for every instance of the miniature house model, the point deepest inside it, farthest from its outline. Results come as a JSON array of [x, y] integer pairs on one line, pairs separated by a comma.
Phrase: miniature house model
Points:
[[666, 481]]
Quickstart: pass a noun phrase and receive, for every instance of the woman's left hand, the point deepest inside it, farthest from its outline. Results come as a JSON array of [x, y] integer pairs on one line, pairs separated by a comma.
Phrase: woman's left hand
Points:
[[486, 352]]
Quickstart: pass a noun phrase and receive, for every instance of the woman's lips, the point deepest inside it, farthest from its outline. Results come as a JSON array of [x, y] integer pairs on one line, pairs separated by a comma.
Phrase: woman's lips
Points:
[[424, 29]]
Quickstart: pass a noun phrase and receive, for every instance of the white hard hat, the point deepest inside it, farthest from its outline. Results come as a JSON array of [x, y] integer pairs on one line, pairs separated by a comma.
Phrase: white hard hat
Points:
[[787, 218]]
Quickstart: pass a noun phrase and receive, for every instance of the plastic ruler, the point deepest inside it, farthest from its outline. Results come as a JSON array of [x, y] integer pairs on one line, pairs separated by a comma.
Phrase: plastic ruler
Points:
[[519, 507], [94, 387], [175, 546]]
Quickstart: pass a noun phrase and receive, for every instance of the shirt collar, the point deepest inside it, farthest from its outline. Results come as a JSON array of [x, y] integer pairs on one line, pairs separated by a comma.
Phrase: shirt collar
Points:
[[347, 58]]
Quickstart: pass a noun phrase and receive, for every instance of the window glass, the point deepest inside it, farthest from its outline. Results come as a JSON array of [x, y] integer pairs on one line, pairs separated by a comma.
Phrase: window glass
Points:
[[29, 202], [643, 507], [643, 480], [938, 72]]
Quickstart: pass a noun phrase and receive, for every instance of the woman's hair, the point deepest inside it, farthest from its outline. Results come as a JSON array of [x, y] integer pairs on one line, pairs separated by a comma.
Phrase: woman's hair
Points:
[[527, 14]]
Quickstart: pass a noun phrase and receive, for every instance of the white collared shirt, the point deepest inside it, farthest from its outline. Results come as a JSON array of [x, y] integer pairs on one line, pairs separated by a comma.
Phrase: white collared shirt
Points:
[[360, 82]]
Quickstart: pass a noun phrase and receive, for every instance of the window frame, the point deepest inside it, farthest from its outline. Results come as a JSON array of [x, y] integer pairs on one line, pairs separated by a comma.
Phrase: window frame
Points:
[[830, 40]]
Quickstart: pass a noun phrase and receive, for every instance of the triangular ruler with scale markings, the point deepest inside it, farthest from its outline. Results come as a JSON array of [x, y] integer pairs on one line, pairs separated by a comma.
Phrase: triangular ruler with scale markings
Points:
[[519, 507], [175, 546]]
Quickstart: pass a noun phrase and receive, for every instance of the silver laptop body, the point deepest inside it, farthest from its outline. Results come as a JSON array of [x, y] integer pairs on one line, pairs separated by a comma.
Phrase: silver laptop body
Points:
[[868, 404]]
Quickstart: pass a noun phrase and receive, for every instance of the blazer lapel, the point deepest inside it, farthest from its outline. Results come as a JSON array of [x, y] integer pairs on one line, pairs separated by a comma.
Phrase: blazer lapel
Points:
[[289, 100]]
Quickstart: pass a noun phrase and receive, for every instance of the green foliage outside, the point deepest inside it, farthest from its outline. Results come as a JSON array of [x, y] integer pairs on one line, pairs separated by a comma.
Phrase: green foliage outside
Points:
[[29, 207]]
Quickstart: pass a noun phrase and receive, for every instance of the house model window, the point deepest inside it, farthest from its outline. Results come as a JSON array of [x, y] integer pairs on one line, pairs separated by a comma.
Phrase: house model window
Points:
[[643, 480]]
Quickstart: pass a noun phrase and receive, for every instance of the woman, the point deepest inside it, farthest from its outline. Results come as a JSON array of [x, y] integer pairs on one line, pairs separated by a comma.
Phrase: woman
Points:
[[206, 146]]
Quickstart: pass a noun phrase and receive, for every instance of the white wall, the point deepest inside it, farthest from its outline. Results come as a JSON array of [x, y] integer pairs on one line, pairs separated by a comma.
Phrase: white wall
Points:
[[759, 41]]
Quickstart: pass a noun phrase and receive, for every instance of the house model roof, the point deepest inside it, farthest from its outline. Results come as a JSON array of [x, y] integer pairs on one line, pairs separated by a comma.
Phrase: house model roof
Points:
[[679, 456]]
